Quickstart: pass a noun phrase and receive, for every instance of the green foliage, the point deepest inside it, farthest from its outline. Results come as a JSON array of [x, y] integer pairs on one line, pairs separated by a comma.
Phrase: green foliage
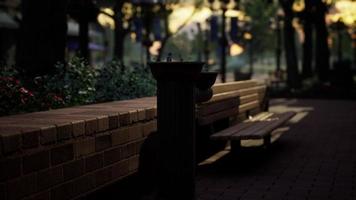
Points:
[[13, 95], [116, 82], [74, 83], [261, 13]]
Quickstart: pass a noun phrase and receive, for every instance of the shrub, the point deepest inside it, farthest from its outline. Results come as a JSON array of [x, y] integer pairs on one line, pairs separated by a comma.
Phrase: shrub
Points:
[[74, 83], [117, 82], [14, 96]]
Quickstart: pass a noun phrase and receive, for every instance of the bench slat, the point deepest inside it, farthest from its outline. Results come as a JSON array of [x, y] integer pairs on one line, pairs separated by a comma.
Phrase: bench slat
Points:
[[232, 86], [217, 116], [249, 98], [248, 106], [228, 132], [218, 106], [252, 90], [246, 133], [222, 96], [265, 127]]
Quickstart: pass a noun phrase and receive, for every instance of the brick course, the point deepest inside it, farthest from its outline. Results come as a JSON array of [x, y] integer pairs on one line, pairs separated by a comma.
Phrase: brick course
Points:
[[65, 153], [49, 177], [35, 161], [62, 154]]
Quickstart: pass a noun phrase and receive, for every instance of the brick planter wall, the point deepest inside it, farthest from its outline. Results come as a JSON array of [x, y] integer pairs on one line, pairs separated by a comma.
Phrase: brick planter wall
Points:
[[66, 153]]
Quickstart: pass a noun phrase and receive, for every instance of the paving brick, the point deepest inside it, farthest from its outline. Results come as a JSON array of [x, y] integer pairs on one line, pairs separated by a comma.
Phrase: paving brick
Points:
[[120, 169], [135, 132], [73, 169], [113, 121], [49, 177], [11, 142], [31, 139], [62, 192], [94, 162], [35, 161], [78, 128], [91, 126], [21, 187], [102, 142], [48, 135], [10, 168], [120, 136], [103, 176], [64, 131], [103, 123], [85, 147], [113, 155], [62, 154]]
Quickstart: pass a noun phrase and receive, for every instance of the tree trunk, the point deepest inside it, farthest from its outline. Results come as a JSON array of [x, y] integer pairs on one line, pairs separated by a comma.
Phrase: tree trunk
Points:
[[308, 40], [322, 54], [119, 31], [167, 35], [84, 37], [293, 80], [42, 37]]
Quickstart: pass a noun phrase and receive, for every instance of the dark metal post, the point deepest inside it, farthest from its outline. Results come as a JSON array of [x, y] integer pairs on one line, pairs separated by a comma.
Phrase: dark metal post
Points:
[[278, 49], [176, 83], [353, 37], [223, 45]]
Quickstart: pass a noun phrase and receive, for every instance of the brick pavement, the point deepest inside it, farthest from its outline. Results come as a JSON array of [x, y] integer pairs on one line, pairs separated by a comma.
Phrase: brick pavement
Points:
[[315, 159]]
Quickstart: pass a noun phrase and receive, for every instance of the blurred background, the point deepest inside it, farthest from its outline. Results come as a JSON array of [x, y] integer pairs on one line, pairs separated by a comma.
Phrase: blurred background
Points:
[[84, 51]]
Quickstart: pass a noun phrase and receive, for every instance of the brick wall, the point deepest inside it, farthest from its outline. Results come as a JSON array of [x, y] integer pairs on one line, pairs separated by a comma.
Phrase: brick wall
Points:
[[66, 153]]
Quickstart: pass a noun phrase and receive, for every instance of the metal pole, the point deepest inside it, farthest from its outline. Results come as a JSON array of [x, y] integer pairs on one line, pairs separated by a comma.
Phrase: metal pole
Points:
[[223, 46], [278, 49]]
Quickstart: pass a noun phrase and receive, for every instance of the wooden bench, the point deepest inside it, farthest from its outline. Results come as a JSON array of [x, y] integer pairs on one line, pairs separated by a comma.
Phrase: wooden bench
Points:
[[243, 105]]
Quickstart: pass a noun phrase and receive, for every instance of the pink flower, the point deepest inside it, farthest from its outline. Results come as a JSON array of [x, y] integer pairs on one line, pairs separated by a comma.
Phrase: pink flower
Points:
[[23, 90]]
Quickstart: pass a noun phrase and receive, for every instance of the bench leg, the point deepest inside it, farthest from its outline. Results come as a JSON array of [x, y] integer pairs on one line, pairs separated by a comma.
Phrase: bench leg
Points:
[[267, 140], [235, 145]]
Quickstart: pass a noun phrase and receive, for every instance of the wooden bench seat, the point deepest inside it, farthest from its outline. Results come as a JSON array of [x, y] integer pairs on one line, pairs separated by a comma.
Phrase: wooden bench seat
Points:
[[242, 107], [259, 128]]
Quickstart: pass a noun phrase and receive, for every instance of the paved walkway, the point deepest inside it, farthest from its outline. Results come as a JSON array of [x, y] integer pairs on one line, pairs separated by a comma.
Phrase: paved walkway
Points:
[[315, 159]]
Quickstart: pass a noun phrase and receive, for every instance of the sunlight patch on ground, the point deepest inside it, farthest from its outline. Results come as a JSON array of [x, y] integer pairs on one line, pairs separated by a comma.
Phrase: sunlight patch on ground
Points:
[[214, 157], [298, 117]]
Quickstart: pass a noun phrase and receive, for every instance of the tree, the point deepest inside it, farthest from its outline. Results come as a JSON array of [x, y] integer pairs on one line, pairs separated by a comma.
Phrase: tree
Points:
[[119, 30], [322, 53], [307, 19], [260, 12], [42, 37], [293, 79], [83, 11]]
